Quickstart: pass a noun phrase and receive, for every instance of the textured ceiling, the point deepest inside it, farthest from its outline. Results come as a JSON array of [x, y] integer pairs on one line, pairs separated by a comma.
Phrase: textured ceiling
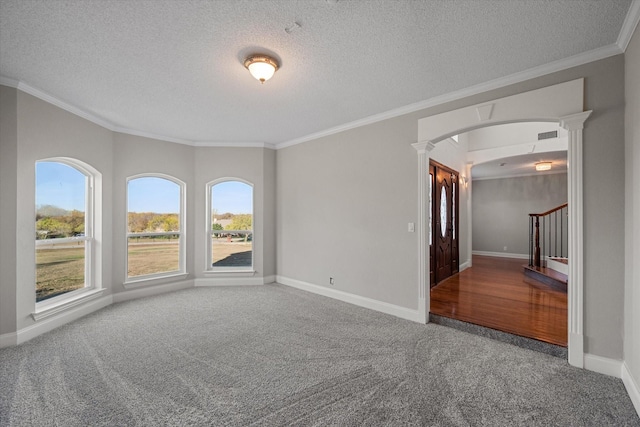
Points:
[[174, 68], [522, 165]]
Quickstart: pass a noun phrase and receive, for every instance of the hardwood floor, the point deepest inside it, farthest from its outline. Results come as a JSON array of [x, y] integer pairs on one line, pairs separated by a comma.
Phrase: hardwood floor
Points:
[[496, 294]]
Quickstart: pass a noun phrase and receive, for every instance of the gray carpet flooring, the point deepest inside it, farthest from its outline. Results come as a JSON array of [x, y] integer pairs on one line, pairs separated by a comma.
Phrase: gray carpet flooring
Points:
[[272, 355]]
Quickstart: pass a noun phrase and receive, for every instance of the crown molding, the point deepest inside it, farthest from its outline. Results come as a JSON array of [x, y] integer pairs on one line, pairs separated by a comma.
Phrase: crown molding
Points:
[[26, 88], [6, 81], [150, 135], [423, 146], [551, 67], [520, 175], [230, 144], [631, 21], [629, 25]]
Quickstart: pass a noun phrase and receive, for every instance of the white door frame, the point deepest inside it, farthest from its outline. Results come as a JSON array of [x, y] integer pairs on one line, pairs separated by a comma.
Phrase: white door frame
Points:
[[562, 104]]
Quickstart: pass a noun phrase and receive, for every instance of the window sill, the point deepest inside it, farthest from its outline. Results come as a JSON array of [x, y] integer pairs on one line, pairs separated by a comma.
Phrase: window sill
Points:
[[153, 280], [51, 309], [230, 272]]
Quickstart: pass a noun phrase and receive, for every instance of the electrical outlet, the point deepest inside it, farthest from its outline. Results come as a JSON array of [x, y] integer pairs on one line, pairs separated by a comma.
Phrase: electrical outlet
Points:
[[411, 227], [505, 249], [331, 280]]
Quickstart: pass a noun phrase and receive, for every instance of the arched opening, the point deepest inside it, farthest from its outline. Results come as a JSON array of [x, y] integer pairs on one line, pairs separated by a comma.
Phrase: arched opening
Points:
[[68, 224], [229, 225], [562, 104], [155, 227], [501, 190]]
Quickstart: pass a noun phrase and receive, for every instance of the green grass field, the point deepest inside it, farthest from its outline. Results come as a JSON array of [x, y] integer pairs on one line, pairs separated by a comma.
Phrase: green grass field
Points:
[[152, 257], [60, 268]]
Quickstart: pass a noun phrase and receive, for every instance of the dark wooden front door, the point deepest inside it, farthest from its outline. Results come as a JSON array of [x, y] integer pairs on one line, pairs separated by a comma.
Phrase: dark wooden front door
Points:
[[443, 251]]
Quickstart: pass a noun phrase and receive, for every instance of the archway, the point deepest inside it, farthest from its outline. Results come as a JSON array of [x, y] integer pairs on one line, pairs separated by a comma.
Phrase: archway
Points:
[[563, 104]]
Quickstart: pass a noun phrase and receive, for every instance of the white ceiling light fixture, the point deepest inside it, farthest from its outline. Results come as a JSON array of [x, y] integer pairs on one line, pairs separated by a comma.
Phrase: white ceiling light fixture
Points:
[[543, 166], [262, 67]]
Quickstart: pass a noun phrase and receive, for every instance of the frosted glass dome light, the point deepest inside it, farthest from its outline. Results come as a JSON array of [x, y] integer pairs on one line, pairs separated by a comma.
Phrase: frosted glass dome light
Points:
[[261, 67]]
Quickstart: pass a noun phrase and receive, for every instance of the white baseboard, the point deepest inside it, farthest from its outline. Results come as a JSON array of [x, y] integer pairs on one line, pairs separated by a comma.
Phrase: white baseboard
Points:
[[233, 281], [557, 266], [632, 387], [603, 365], [151, 290], [383, 307], [53, 322], [464, 266], [9, 340], [501, 254], [576, 350]]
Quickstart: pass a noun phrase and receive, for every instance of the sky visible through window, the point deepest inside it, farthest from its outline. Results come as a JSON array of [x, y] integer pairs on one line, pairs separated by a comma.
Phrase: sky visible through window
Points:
[[152, 194], [60, 185], [64, 187], [232, 196]]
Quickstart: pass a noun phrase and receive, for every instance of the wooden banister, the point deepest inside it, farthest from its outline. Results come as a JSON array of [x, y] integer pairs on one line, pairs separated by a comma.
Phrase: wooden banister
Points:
[[556, 227], [550, 211]]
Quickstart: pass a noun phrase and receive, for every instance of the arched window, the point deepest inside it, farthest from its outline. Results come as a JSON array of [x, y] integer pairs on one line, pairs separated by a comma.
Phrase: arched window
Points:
[[64, 228], [155, 227], [229, 225]]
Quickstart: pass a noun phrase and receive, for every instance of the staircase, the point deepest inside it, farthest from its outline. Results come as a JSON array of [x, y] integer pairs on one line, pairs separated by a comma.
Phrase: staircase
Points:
[[548, 248]]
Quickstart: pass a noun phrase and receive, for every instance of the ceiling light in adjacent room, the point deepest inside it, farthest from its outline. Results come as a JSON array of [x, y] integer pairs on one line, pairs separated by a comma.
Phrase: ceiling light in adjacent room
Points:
[[262, 67], [543, 166]]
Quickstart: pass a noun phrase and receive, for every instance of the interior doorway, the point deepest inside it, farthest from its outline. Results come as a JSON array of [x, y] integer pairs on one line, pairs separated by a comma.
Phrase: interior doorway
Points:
[[503, 192], [562, 103], [443, 242]]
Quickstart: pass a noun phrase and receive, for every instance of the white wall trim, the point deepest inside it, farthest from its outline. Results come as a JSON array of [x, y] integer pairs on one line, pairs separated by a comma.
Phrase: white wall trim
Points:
[[6, 81], [464, 266], [383, 307], [559, 65], [151, 290], [240, 144], [24, 87], [44, 311], [629, 25], [521, 175], [501, 254], [574, 123], [423, 149], [53, 322], [9, 340], [232, 281], [632, 387], [552, 67], [80, 112], [554, 104], [603, 365]]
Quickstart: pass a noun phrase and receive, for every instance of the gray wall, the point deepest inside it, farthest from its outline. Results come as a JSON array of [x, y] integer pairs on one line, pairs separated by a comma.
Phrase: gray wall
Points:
[[8, 209], [501, 209], [632, 209], [344, 201], [136, 155], [343, 207], [255, 165], [32, 129], [44, 131]]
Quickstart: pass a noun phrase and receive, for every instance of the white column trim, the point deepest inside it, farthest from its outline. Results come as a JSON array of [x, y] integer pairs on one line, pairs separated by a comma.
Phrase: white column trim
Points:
[[575, 289], [423, 148]]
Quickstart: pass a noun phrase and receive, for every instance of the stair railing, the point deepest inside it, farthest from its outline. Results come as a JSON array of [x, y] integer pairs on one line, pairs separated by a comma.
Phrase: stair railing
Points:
[[548, 235]]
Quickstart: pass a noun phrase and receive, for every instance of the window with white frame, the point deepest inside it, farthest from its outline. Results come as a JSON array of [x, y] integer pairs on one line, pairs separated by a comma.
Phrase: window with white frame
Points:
[[229, 225], [155, 227], [64, 228]]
